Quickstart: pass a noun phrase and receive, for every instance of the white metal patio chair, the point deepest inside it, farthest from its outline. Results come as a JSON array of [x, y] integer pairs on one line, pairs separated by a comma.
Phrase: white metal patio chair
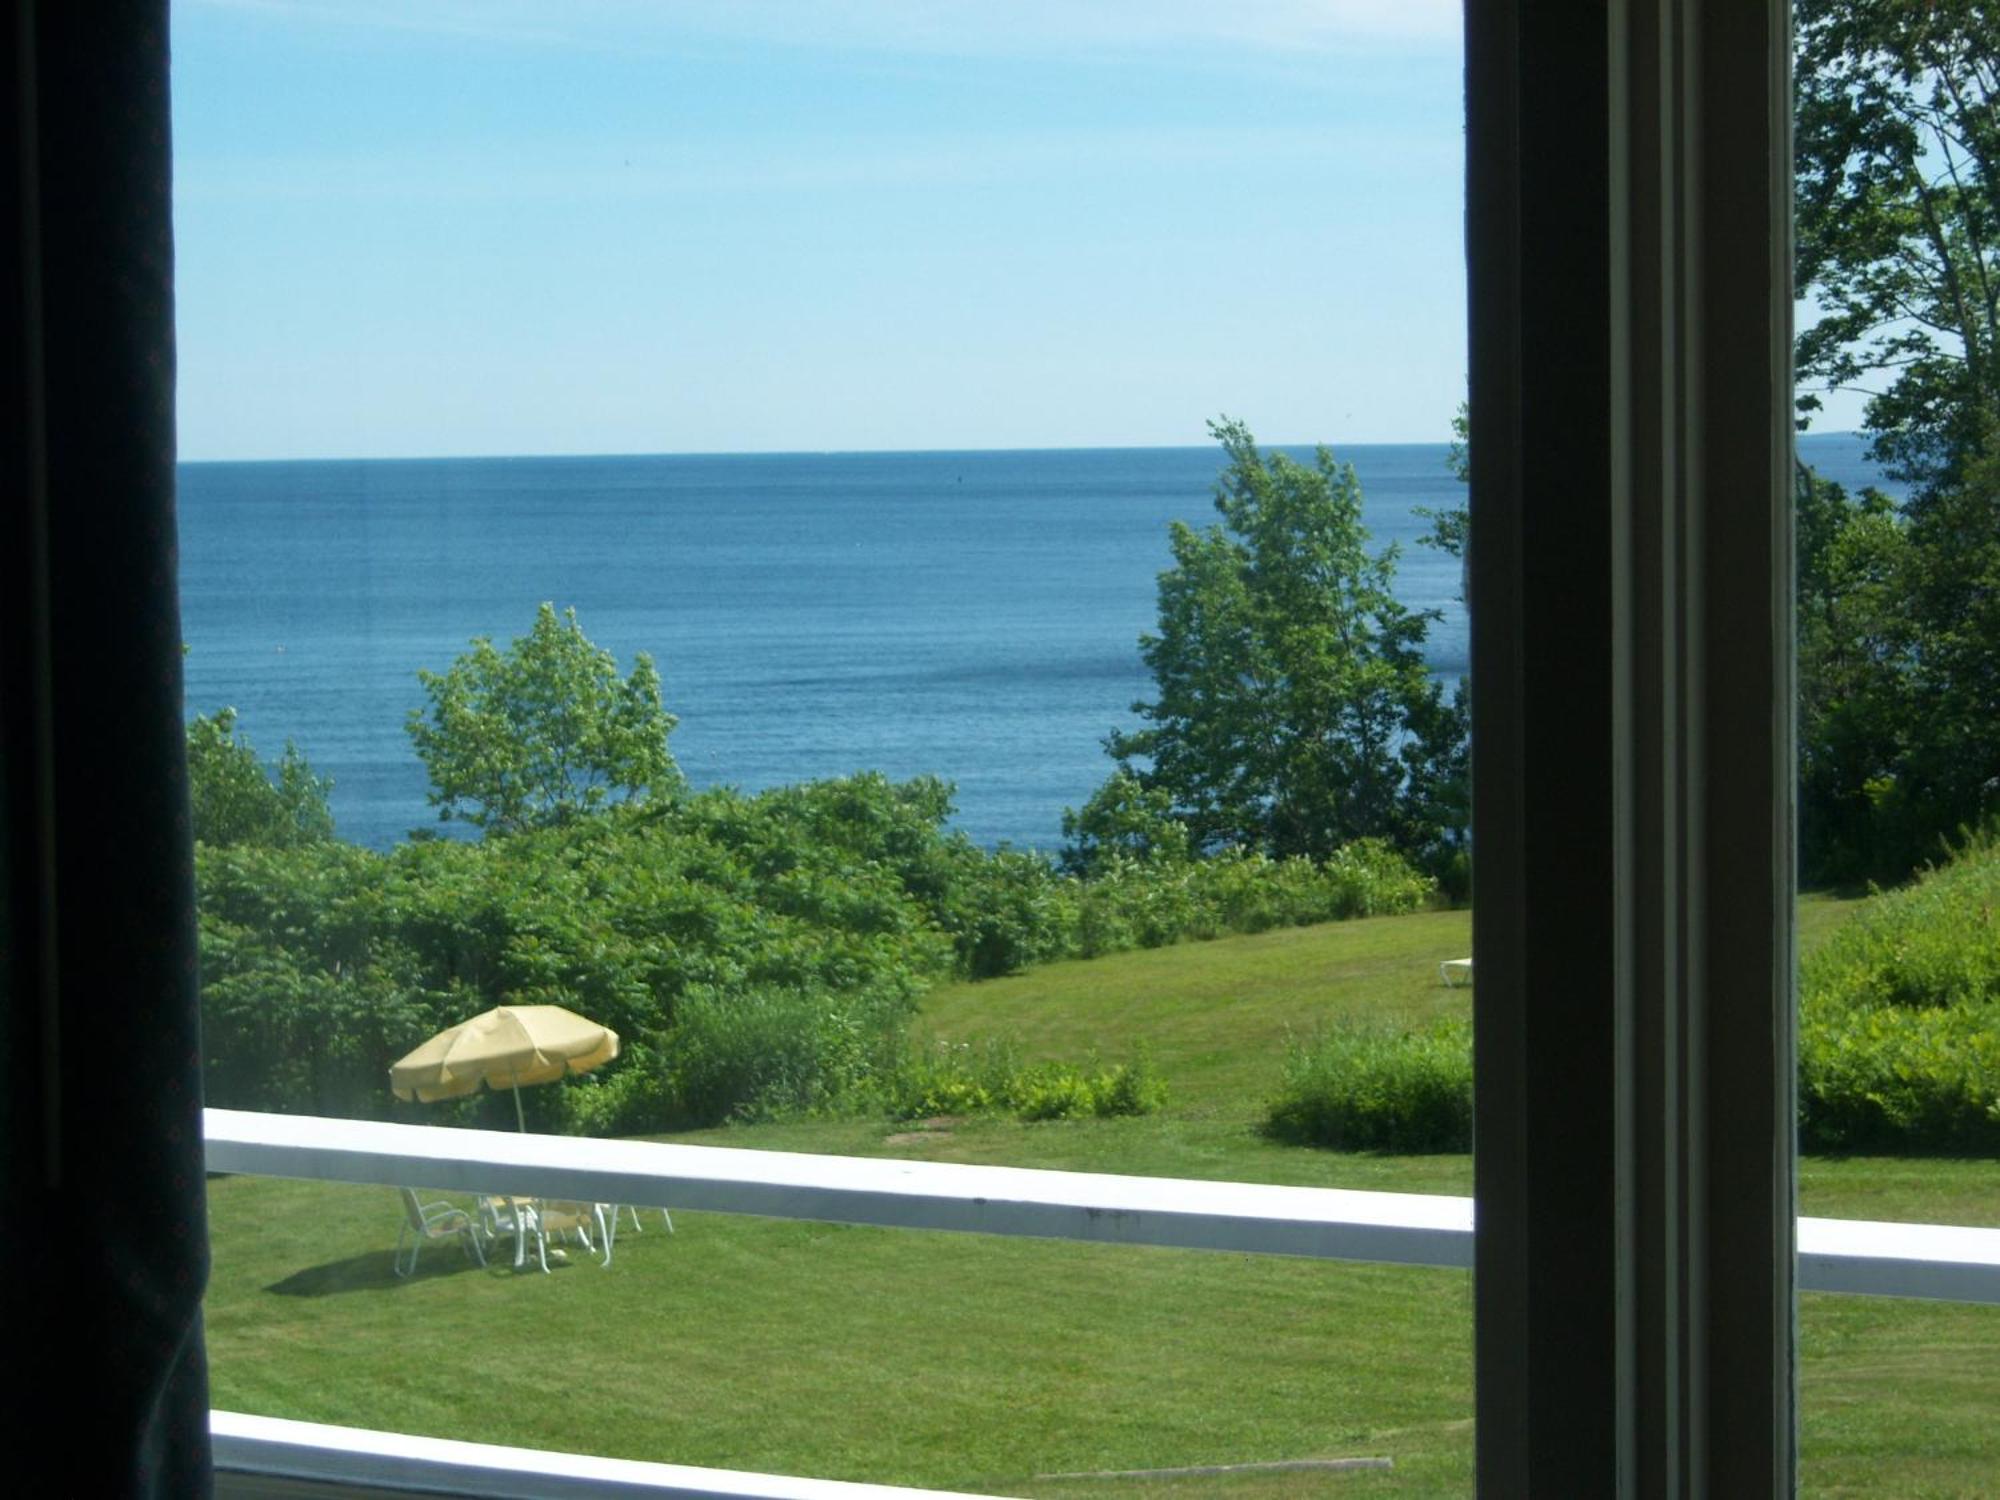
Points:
[[427, 1223], [562, 1217], [534, 1220], [505, 1217]]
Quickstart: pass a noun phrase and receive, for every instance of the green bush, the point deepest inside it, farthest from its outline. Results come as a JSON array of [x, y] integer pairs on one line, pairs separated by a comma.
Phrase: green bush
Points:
[[628, 1097], [959, 1078], [1361, 1089], [1007, 911], [1899, 1031], [1129, 903], [771, 1053], [1898, 1080], [754, 953], [324, 963], [1370, 879]]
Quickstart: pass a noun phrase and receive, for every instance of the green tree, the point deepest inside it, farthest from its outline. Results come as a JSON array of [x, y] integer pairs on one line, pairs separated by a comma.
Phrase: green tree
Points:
[[235, 799], [1897, 222], [543, 732], [1451, 527], [1294, 711], [1124, 819], [1899, 672], [1854, 684]]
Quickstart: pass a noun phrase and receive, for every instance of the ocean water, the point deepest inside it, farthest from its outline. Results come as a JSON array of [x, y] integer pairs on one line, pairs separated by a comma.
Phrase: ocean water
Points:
[[970, 615]]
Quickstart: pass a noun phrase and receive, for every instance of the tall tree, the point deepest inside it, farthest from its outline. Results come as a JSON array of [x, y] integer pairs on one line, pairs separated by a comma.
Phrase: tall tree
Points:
[[1899, 672], [1897, 135], [1854, 686], [542, 732], [1294, 711]]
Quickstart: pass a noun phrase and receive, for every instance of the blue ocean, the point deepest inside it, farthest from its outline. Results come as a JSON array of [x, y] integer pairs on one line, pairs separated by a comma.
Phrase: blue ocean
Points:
[[970, 615]]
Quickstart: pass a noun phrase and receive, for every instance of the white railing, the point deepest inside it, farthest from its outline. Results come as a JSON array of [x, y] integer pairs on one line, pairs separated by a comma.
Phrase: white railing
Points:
[[1327, 1223], [251, 1452], [1835, 1255]]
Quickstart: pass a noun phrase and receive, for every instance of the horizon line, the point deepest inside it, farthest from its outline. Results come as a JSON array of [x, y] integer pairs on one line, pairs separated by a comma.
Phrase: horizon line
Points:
[[392, 458]]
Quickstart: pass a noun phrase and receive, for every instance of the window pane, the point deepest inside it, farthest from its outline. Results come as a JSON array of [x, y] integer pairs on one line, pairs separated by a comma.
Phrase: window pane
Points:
[[917, 774]]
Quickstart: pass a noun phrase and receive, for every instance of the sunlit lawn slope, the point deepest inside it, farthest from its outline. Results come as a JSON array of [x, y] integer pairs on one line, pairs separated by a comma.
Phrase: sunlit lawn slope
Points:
[[986, 1364]]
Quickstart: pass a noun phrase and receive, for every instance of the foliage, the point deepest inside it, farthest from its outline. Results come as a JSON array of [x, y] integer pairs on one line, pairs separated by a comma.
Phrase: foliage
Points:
[[1898, 143], [323, 964], [1359, 1088], [1898, 164], [235, 799], [1854, 816], [543, 732], [307, 993], [1899, 669], [1124, 819], [757, 955], [1451, 527], [768, 1053], [958, 1078], [1133, 904], [1294, 710], [1899, 1041]]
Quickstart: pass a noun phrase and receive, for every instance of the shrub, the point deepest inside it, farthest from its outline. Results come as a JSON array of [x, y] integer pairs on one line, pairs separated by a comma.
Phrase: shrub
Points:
[[1899, 1033], [959, 1078], [1370, 879], [760, 951], [1008, 910], [324, 963], [1898, 1080], [307, 992], [1362, 1089], [1130, 903], [768, 1053]]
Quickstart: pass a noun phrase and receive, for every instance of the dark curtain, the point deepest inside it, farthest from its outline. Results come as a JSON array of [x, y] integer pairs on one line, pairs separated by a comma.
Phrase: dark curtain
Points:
[[105, 1254]]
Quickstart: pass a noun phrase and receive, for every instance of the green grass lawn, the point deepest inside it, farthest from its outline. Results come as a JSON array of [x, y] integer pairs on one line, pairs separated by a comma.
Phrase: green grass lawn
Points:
[[991, 1364], [1215, 1016]]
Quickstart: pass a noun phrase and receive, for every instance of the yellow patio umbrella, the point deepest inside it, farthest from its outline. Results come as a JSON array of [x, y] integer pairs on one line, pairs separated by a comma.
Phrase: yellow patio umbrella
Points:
[[505, 1047]]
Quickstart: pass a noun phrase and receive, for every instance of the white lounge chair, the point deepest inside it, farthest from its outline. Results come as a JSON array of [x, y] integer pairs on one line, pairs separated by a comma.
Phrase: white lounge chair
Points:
[[426, 1223], [1455, 971]]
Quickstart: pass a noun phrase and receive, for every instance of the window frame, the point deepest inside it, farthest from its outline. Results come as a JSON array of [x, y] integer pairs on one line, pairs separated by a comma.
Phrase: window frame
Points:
[[1635, 1300], [1628, 201]]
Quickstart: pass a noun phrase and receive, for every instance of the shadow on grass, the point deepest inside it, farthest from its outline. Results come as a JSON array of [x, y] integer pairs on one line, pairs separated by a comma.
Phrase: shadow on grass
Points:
[[375, 1272]]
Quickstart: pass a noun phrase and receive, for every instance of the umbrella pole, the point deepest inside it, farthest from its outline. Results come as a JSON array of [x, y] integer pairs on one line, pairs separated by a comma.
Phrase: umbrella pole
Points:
[[519, 1119]]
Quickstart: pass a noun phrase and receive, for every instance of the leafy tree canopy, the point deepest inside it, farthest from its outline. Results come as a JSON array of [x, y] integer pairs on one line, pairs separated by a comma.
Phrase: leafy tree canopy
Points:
[[1124, 819], [1898, 167], [543, 732], [235, 799], [1899, 672], [1294, 711]]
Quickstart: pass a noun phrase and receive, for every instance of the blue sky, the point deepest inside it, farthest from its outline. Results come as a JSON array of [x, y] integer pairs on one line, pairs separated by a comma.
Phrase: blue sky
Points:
[[432, 227]]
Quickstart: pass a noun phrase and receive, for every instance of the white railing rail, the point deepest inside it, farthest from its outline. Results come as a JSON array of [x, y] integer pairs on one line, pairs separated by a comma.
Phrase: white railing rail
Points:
[[253, 1452], [1326, 1223], [1835, 1255], [1944, 1262]]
